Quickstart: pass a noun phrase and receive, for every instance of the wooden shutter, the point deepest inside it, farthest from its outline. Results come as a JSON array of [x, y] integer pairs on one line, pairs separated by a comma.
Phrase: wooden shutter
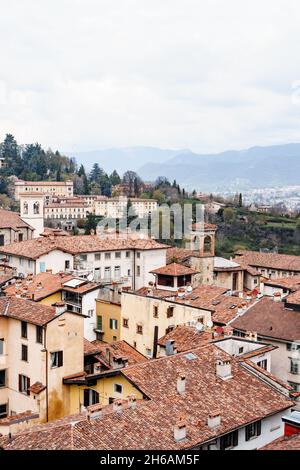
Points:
[[247, 433], [222, 443], [20, 383], [235, 438], [258, 428], [28, 386], [86, 397], [60, 358]]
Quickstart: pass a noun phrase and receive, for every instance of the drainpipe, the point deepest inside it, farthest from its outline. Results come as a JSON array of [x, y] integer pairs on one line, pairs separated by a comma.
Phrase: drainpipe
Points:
[[47, 381], [133, 277]]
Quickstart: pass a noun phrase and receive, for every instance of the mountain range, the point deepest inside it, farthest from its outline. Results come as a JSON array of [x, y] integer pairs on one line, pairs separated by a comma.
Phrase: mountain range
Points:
[[233, 170]]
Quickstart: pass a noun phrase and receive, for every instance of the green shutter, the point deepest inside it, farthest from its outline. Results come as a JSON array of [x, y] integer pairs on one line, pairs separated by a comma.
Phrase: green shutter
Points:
[[99, 322]]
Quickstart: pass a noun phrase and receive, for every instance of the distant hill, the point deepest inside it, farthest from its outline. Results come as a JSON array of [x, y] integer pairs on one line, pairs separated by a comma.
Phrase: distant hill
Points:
[[122, 159], [257, 167]]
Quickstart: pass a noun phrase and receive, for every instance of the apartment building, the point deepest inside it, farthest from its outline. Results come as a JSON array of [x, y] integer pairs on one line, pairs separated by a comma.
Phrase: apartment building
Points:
[[278, 323], [48, 188], [123, 260], [13, 228], [39, 345], [149, 313], [205, 399], [69, 210], [78, 294], [270, 265], [115, 208]]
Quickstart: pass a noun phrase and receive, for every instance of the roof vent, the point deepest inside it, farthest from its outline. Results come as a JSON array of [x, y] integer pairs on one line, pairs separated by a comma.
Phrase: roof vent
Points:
[[223, 369]]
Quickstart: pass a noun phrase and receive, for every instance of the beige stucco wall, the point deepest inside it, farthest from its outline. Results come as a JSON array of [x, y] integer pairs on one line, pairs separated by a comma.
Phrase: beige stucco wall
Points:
[[139, 310]]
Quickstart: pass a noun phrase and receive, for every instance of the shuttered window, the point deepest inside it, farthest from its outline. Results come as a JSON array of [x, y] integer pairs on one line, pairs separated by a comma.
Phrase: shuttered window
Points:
[[253, 430]]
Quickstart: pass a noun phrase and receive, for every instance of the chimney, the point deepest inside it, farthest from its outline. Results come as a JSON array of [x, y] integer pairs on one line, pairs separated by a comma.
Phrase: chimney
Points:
[[214, 419], [117, 406], [94, 411], [223, 369], [180, 430], [252, 335], [170, 347], [60, 307], [277, 297], [131, 401], [181, 381]]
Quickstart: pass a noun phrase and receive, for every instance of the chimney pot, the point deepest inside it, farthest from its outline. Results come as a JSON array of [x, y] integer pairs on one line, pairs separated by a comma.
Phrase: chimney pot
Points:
[[118, 405], [223, 369], [181, 381], [214, 419], [180, 430]]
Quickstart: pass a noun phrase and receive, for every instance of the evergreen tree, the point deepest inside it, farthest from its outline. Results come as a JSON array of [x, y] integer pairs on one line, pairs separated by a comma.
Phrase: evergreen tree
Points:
[[114, 178]]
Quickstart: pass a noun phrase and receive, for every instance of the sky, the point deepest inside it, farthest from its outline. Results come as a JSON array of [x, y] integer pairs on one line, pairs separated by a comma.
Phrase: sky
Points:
[[208, 75]]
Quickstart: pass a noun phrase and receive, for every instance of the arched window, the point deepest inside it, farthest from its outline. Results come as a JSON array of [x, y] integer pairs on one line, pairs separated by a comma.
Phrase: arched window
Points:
[[207, 244], [25, 208], [36, 208]]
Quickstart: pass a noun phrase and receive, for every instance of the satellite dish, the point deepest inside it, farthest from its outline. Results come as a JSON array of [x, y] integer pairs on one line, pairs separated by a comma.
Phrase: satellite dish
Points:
[[189, 289], [90, 277], [199, 326], [210, 324]]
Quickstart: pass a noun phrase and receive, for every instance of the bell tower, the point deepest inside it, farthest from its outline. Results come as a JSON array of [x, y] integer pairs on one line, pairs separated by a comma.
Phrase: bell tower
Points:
[[32, 211], [202, 242]]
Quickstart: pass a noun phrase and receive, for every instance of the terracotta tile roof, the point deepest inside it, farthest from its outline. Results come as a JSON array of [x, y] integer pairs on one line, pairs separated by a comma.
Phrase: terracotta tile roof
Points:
[[18, 418], [268, 260], [186, 338], [26, 310], [258, 352], [180, 255], [9, 219], [37, 388], [37, 247], [6, 274], [224, 307], [242, 399], [294, 298], [284, 443], [290, 282], [39, 286], [270, 319], [119, 349], [55, 232], [174, 269]]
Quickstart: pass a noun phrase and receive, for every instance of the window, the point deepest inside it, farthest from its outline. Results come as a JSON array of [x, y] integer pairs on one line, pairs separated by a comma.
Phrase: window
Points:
[[139, 329], [241, 350], [118, 254], [56, 359], [155, 311], [125, 322], [42, 267], [30, 264], [99, 322], [24, 352], [91, 313], [138, 270], [149, 352], [127, 254], [170, 311], [24, 329], [138, 255], [114, 338], [67, 264], [97, 256], [118, 388], [21, 261], [129, 272], [293, 347], [107, 273], [229, 440], [294, 366], [90, 397], [134, 344], [253, 430], [3, 411], [39, 334], [295, 386], [2, 378], [113, 324], [263, 364], [117, 272], [107, 255], [1, 346], [24, 384]]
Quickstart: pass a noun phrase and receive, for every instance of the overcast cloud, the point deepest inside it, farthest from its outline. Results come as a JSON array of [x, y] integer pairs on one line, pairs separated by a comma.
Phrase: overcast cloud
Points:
[[204, 74]]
